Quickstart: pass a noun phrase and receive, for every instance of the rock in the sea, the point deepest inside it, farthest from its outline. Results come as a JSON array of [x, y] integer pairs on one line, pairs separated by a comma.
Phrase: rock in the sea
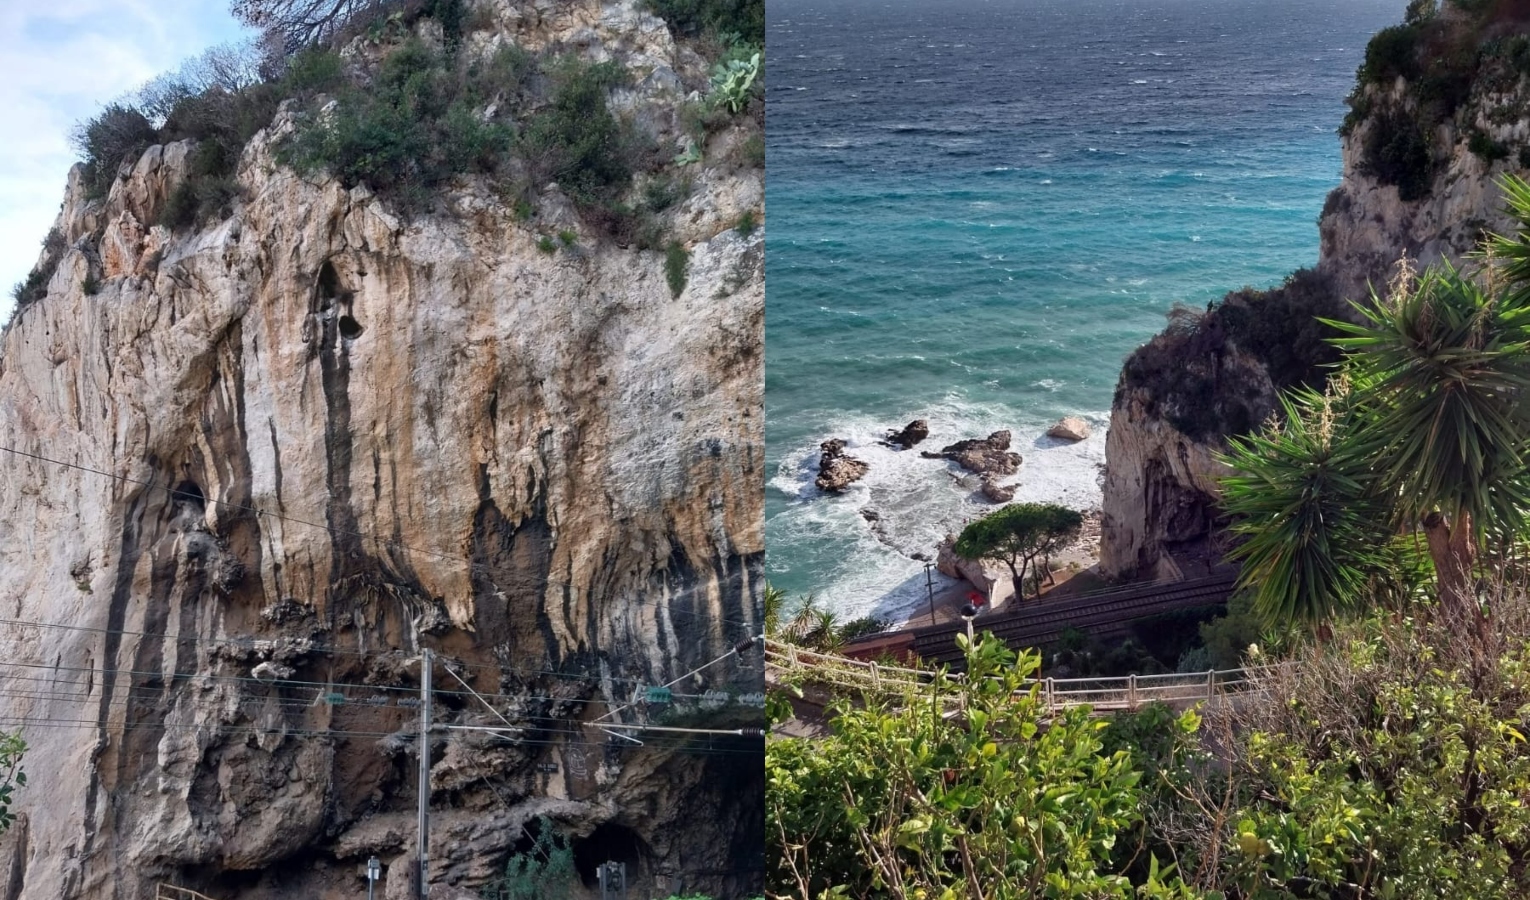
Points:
[[912, 433], [988, 456], [998, 493], [836, 471], [1069, 428]]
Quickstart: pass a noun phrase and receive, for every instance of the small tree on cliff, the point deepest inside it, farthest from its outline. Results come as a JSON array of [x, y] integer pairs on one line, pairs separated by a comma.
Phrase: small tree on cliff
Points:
[[1018, 535], [1426, 429], [12, 748]]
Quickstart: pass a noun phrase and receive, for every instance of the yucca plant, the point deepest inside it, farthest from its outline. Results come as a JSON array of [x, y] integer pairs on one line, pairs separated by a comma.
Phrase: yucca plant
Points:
[[1425, 428], [1305, 501]]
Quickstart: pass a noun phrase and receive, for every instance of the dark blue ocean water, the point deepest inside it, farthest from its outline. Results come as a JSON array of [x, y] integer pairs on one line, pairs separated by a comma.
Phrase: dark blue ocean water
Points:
[[978, 208]]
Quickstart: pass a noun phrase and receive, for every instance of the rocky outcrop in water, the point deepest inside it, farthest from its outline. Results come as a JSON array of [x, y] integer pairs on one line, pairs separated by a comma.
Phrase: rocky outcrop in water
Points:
[[981, 456], [996, 492], [909, 435], [1070, 428], [836, 470], [299, 444]]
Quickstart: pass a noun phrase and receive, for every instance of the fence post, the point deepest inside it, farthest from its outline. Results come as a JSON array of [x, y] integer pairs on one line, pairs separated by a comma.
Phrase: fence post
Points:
[[1211, 685], [1131, 691], [876, 677], [1050, 691]]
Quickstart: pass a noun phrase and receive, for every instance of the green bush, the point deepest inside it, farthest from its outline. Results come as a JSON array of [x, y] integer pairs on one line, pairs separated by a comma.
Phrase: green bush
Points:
[[547, 245], [118, 133], [898, 802], [744, 19], [1392, 52], [1389, 761], [676, 260], [575, 141], [545, 871], [746, 223], [1489, 150], [1396, 152]]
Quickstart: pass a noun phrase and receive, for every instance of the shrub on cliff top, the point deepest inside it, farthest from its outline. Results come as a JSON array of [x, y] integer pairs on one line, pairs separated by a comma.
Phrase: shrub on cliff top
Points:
[[744, 19], [1214, 374]]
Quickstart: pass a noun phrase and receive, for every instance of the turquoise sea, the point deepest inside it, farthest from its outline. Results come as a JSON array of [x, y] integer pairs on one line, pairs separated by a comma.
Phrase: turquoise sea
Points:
[[979, 208]]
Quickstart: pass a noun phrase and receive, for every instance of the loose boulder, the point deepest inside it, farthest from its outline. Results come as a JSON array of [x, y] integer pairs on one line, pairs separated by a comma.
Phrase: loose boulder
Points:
[[1069, 428], [836, 471], [988, 456], [912, 433], [996, 492]]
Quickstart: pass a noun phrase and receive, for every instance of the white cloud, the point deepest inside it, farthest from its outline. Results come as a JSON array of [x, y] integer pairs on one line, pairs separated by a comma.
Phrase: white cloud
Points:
[[59, 61]]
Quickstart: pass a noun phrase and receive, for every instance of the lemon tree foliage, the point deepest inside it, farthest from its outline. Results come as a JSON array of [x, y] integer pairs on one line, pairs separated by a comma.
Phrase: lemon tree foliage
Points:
[[1000, 801], [1390, 762]]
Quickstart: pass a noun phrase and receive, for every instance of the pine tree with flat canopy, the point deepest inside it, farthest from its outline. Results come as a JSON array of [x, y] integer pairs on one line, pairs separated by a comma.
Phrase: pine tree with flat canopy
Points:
[[1020, 535]]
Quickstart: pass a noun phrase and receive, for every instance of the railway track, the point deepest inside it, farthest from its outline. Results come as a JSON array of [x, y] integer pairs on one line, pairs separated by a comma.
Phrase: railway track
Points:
[[1105, 615]]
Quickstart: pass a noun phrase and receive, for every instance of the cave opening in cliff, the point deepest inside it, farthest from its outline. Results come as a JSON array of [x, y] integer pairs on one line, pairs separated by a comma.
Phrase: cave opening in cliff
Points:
[[609, 842], [188, 496], [329, 286], [350, 329]]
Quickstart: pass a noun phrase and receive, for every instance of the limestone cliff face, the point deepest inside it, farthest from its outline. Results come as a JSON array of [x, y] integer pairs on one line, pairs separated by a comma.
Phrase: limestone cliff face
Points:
[[1366, 226], [1160, 492], [312, 438], [1161, 485]]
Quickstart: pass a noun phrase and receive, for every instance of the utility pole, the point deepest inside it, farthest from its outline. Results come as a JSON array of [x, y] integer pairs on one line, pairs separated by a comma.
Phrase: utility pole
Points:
[[423, 854], [929, 588]]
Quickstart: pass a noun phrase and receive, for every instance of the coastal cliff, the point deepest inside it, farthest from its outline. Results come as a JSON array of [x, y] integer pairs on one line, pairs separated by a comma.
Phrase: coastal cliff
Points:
[[254, 466], [1441, 108]]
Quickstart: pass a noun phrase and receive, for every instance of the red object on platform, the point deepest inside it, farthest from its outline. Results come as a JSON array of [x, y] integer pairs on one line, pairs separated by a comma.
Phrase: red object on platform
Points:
[[977, 599]]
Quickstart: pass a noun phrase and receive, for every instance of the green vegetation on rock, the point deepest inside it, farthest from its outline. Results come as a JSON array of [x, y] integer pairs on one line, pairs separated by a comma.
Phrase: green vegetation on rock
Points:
[[1023, 536]]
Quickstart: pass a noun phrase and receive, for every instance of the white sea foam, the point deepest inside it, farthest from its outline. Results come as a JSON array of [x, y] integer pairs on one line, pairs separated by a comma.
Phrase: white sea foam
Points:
[[917, 501]]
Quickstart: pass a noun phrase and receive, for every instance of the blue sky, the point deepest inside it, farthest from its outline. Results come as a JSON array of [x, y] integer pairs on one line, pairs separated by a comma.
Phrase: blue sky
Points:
[[60, 60]]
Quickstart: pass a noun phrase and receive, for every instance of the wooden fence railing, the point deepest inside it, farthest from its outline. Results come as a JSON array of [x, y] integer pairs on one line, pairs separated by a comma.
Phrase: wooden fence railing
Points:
[[1103, 694], [171, 892]]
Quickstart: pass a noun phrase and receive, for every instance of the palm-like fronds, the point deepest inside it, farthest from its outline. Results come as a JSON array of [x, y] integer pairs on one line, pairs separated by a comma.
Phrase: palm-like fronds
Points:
[[1447, 368], [1303, 498]]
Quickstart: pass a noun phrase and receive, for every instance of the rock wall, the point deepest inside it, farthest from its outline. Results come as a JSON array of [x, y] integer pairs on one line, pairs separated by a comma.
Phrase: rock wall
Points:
[[1366, 226], [294, 447], [1161, 486]]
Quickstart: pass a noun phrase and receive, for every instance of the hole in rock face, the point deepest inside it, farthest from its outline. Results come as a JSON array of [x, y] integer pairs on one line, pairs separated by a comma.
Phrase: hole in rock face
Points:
[[350, 329], [329, 282], [188, 495], [608, 842]]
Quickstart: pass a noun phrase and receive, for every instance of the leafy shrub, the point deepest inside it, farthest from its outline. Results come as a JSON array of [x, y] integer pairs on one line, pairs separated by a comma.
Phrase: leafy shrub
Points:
[[746, 223], [861, 627], [575, 140], [676, 260], [1489, 150], [1389, 761], [1191, 375], [414, 127], [898, 802], [119, 132], [744, 19], [545, 871], [752, 151], [568, 237], [547, 245], [1391, 53], [1396, 152]]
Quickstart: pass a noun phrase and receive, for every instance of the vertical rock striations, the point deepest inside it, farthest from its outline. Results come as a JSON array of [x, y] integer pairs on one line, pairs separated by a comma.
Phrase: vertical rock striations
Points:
[[298, 444]]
